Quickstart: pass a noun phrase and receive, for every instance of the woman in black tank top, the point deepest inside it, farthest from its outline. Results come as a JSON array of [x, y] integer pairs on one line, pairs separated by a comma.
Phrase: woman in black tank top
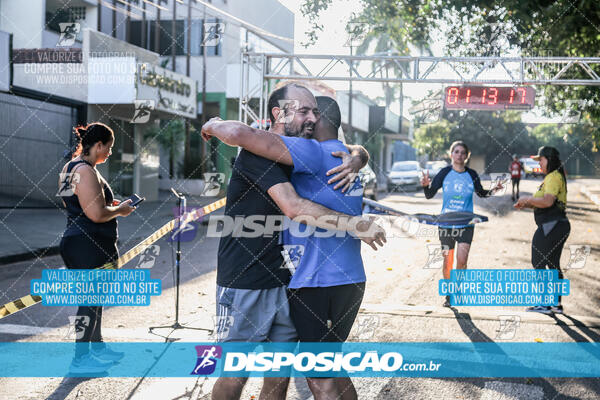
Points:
[[90, 238]]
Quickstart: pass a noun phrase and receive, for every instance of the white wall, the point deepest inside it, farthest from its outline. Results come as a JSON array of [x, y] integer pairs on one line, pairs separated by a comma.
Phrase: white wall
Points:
[[269, 15], [25, 20], [360, 111]]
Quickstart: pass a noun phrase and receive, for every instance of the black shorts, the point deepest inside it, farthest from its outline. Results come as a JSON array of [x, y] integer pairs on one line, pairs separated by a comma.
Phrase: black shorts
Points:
[[312, 307], [515, 180], [450, 236]]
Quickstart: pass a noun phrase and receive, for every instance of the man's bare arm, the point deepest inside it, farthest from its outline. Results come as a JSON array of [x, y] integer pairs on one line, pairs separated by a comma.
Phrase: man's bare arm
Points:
[[263, 143], [303, 210]]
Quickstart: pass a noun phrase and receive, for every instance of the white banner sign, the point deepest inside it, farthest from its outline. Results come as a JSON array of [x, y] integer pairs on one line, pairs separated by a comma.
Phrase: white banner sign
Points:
[[174, 93]]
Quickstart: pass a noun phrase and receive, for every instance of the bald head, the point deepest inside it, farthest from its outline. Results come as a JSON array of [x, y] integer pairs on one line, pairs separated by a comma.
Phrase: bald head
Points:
[[293, 111]]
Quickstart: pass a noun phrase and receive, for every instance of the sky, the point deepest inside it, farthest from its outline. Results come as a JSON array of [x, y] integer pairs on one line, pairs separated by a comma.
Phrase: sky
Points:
[[331, 41]]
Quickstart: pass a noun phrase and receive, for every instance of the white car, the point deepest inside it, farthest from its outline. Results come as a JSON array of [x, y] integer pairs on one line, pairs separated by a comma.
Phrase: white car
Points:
[[404, 174], [434, 167]]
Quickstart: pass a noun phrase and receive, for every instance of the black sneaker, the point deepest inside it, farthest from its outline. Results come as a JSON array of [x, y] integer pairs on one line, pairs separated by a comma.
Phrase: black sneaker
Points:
[[447, 302]]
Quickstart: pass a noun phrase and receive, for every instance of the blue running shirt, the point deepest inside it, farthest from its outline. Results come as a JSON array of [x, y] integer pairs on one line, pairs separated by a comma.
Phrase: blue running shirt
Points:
[[458, 188], [334, 259]]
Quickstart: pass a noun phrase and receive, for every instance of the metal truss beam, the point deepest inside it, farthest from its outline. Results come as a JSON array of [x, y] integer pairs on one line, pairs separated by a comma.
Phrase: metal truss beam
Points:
[[568, 71]]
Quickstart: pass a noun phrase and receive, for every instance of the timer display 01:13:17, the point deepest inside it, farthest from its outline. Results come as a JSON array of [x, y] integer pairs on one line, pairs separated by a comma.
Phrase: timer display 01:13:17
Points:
[[489, 97]]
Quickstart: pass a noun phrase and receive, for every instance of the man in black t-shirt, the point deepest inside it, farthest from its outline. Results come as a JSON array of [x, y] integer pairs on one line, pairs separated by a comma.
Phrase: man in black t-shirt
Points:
[[252, 274]]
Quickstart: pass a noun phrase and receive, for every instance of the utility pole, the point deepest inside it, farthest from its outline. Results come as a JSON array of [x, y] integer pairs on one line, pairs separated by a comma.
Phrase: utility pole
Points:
[[157, 32], [173, 37], [99, 12], [143, 34], [114, 19], [350, 138], [203, 115], [188, 50]]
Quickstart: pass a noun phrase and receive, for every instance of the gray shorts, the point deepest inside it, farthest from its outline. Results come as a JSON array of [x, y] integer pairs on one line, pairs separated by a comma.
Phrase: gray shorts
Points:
[[254, 315]]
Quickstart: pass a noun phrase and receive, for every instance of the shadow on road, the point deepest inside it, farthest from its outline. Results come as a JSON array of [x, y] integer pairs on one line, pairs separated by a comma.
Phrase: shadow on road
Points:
[[476, 335], [576, 336]]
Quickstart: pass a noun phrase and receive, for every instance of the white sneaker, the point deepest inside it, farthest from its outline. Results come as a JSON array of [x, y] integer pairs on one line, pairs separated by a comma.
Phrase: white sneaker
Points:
[[88, 364]]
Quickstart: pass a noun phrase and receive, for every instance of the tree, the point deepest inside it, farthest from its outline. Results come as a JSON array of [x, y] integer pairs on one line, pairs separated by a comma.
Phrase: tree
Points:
[[433, 139], [169, 134], [488, 27], [495, 136]]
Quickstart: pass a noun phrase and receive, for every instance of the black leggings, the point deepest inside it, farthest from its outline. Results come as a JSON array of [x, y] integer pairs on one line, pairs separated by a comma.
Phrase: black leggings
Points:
[[546, 250], [83, 252]]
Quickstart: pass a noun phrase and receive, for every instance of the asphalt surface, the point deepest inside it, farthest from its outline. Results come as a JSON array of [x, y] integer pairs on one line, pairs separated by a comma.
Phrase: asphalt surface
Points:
[[401, 304]]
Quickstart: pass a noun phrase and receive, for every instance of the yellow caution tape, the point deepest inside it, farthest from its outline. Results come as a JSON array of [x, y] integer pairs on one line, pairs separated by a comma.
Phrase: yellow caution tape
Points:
[[30, 300]]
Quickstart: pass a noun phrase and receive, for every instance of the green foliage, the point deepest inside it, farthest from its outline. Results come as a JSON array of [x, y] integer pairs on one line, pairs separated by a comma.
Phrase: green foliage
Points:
[[433, 139], [492, 135], [169, 134], [543, 28]]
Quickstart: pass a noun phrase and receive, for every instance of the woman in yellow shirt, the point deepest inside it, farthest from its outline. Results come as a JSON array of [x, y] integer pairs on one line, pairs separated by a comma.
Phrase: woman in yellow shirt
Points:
[[549, 207]]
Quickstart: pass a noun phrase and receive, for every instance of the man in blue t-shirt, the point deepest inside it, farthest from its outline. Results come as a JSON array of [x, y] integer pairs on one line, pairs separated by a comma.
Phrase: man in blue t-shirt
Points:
[[327, 287]]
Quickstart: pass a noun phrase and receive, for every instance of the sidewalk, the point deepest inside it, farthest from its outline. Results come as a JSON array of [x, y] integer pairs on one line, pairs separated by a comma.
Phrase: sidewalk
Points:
[[591, 189], [31, 233]]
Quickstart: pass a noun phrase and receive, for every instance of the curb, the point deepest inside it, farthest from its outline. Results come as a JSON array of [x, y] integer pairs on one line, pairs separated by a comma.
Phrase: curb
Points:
[[490, 315], [29, 255], [52, 251], [593, 197]]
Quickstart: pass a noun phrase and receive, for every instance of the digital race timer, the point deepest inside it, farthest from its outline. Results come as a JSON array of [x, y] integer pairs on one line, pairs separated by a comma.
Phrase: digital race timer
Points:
[[489, 97]]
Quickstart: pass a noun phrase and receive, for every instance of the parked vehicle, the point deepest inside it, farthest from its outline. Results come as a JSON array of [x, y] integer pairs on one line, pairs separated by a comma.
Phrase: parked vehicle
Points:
[[369, 182], [404, 174], [433, 167], [531, 167]]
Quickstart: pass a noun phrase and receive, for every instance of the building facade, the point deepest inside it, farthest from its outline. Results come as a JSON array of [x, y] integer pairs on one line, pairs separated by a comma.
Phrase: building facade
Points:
[[78, 61]]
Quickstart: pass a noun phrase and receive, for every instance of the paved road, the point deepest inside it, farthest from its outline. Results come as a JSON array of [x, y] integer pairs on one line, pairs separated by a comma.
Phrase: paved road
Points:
[[401, 305]]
